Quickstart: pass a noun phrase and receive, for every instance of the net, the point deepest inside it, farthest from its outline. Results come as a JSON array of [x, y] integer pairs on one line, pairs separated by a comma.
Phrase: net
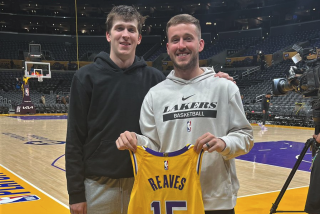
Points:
[[40, 78]]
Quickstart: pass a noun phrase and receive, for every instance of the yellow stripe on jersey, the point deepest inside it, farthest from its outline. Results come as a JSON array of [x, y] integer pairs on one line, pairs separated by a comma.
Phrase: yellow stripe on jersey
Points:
[[165, 182]]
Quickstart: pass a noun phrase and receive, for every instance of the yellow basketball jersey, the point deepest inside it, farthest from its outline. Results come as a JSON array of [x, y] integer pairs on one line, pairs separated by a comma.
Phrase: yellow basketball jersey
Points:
[[166, 183]]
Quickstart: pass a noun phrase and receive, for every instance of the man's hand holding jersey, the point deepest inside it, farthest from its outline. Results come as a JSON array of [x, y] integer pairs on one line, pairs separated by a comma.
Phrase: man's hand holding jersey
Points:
[[127, 140], [210, 143], [207, 142]]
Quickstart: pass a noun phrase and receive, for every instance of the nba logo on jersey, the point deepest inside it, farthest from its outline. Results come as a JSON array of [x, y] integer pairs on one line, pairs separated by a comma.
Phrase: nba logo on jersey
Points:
[[166, 165], [189, 126]]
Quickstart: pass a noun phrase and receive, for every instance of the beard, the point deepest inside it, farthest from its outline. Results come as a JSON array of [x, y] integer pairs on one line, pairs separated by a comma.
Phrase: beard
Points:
[[191, 64]]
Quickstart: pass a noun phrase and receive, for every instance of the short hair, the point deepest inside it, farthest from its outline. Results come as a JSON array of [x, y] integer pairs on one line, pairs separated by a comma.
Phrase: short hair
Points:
[[127, 13], [184, 19], [269, 93]]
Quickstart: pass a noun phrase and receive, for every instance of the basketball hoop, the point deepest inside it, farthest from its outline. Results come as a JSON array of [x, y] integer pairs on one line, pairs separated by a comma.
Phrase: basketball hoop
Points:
[[40, 78]]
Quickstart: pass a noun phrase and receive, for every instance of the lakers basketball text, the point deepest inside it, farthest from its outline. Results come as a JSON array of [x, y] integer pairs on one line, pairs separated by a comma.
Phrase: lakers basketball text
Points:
[[195, 109]]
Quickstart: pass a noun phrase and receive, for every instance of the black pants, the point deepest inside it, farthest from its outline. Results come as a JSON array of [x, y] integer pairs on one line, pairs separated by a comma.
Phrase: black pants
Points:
[[220, 212], [265, 117], [313, 198]]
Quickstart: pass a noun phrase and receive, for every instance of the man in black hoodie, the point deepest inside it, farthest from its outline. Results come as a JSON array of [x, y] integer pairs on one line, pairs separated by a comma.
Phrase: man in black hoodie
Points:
[[106, 98]]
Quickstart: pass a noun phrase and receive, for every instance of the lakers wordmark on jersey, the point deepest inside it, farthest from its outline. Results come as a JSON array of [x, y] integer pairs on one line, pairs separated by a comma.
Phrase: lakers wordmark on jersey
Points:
[[166, 183]]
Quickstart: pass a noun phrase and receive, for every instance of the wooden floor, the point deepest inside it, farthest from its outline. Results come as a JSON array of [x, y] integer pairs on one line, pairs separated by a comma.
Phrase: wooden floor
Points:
[[32, 158]]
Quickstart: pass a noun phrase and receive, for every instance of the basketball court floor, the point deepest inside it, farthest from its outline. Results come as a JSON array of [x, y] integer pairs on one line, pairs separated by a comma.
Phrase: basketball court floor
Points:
[[32, 171]]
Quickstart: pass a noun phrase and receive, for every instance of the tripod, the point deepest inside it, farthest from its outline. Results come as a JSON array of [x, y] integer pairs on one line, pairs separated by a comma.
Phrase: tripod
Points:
[[311, 141], [293, 171]]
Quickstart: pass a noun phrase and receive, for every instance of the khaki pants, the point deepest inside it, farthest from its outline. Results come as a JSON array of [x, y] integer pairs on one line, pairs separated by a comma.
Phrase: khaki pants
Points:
[[108, 196]]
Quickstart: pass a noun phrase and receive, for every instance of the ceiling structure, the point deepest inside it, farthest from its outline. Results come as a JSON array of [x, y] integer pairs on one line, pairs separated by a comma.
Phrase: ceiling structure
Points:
[[58, 17]]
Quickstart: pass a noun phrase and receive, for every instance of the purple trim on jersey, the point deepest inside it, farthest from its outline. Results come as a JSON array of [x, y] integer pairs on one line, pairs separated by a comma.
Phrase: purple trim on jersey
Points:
[[135, 163], [199, 161], [169, 154]]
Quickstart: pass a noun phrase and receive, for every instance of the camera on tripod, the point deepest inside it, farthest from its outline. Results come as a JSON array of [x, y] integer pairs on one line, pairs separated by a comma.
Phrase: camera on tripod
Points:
[[304, 78]]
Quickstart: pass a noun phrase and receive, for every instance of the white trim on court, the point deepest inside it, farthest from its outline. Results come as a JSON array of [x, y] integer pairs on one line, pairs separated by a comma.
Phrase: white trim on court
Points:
[[270, 192], [56, 200], [271, 165]]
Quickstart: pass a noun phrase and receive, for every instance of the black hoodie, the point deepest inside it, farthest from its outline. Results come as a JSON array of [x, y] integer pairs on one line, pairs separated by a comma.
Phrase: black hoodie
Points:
[[105, 101]]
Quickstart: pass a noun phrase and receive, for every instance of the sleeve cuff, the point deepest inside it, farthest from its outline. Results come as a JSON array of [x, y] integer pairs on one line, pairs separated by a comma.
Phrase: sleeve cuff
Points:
[[77, 198], [226, 150]]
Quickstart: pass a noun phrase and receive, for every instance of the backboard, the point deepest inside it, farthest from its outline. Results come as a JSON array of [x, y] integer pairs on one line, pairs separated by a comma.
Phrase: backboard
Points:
[[35, 69]]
